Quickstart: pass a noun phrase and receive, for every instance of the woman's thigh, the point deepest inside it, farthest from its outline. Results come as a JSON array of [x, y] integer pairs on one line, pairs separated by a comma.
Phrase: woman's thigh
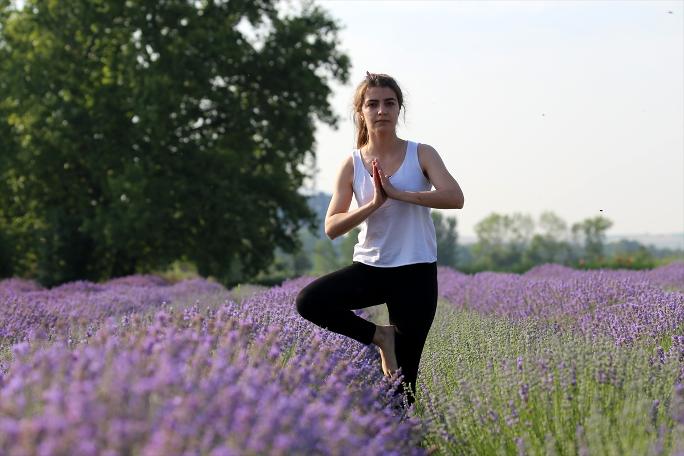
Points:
[[353, 287]]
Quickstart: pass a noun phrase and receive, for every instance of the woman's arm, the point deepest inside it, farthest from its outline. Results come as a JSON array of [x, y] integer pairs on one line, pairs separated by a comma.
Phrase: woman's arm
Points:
[[338, 219], [447, 193]]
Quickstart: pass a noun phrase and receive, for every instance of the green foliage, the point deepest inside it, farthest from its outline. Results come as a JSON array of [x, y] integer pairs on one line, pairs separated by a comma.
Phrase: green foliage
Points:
[[502, 241], [630, 255], [592, 233], [178, 271], [5, 257], [138, 133], [545, 248], [447, 239], [507, 243], [346, 246], [324, 258], [316, 256], [287, 265]]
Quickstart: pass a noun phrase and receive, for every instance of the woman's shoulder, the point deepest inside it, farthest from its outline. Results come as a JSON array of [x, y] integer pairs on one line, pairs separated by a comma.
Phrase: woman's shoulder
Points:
[[426, 153], [345, 173], [347, 166], [426, 149], [348, 162]]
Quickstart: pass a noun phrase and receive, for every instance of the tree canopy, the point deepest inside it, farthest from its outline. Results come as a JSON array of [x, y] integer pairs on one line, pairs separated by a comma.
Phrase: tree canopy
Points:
[[592, 232], [141, 132]]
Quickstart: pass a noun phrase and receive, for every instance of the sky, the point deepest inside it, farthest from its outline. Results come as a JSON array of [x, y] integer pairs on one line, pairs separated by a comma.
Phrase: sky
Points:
[[575, 107]]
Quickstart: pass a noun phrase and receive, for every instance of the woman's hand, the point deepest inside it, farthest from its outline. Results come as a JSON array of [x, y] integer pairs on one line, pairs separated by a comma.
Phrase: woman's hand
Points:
[[389, 189], [380, 196]]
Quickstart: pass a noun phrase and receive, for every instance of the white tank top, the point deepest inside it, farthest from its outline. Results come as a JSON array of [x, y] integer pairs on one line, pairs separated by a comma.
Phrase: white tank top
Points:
[[397, 233]]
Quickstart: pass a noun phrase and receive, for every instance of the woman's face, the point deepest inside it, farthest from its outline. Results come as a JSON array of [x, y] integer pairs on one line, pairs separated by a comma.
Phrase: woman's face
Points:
[[380, 108]]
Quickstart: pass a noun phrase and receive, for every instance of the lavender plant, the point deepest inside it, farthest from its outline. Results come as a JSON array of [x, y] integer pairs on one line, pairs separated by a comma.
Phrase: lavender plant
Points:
[[74, 310], [556, 361], [162, 374], [623, 305]]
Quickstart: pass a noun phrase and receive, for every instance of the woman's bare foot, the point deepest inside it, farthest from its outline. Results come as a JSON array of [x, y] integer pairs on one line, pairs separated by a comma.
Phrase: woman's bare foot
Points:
[[384, 339]]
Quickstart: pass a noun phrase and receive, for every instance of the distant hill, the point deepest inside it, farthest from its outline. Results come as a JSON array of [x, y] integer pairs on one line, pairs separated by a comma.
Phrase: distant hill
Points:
[[660, 241]]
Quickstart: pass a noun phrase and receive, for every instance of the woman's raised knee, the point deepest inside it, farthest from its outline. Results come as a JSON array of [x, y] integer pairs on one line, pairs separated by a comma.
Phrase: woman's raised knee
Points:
[[305, 303]]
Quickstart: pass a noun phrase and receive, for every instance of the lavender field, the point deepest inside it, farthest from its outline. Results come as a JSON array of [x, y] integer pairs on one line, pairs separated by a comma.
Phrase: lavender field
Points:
[[554, 361]]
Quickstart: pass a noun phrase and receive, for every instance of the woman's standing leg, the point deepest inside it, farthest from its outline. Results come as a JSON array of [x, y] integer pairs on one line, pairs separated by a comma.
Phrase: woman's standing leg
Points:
[[412, 305]]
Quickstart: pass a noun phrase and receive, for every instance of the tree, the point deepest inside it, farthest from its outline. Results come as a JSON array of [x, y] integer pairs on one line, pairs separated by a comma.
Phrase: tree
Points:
[[502, 241], [551, 245], [447, 239], [591, 232], [5, 259], [552, 226], [324, 257], [137, 133], [546, 249]]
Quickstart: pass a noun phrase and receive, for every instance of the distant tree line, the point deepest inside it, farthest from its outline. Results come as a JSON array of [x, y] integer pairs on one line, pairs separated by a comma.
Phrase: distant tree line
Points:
[[516, 243], [506, 243]]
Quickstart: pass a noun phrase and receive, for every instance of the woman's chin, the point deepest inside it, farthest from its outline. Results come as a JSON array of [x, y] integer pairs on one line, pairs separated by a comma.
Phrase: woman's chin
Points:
[[383, 127]]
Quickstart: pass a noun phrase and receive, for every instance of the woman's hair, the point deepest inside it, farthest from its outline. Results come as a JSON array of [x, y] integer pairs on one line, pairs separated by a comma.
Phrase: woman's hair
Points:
[[371, 80]]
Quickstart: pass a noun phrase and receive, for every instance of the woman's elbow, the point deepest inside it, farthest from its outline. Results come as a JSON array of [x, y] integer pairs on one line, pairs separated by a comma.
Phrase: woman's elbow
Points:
[[330, 232], [459, 201]]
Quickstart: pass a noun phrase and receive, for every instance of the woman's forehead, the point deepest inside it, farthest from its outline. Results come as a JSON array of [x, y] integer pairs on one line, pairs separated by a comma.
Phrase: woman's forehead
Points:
[[379, 93]]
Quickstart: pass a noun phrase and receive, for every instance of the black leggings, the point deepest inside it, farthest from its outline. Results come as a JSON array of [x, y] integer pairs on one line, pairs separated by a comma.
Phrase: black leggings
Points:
[[410, 293]]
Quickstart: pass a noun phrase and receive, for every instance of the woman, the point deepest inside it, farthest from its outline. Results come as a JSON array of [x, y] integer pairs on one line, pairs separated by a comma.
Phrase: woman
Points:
[[394, 261]]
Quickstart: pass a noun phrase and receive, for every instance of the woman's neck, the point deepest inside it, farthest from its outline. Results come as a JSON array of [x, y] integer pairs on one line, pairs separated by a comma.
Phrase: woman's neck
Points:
[[380, 145]]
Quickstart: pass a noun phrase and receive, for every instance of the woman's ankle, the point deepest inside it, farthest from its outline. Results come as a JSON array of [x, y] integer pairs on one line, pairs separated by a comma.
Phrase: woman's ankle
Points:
[[382, 333], [379, 336]]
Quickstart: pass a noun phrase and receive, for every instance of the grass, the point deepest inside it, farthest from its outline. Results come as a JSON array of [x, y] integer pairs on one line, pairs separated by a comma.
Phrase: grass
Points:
[[567, 395]]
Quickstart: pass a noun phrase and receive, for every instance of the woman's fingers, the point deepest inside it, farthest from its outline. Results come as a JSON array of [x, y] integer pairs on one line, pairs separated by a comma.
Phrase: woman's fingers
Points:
[[376, 174], [383, 181], [381, 174], [377, 182]]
